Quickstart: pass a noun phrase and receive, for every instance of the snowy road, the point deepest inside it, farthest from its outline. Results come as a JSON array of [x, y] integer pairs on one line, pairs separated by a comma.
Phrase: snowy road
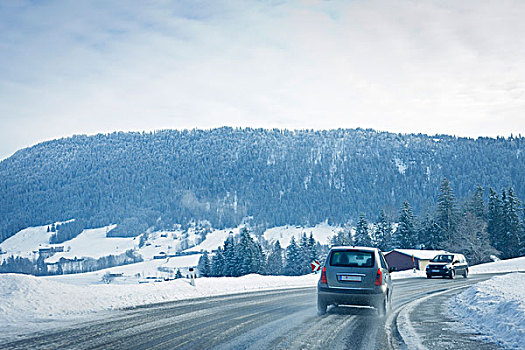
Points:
[[275, 320]]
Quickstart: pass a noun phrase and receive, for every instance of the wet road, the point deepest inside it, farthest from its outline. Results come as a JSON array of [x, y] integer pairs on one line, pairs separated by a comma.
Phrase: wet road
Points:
[[275, 320]]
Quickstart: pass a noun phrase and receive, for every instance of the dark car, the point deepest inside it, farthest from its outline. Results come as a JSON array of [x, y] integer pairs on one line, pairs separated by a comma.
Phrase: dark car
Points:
[[447, 265], [355, 276]]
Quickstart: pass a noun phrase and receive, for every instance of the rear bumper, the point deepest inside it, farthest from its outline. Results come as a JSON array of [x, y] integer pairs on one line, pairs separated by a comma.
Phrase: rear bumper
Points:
[[352, 296]]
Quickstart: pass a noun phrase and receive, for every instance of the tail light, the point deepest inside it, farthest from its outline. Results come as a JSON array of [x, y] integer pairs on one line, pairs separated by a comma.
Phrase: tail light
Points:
[[323, 276], [379, 278]]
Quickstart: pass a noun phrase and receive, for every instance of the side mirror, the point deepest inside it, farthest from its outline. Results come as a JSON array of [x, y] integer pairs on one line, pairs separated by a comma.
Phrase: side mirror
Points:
[[456, 262], [391, 269]]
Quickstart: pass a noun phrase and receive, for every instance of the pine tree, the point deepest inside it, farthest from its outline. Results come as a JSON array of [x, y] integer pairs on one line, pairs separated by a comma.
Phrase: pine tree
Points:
[[429, 233], [312, 248], [142, 240], [204, 265], [218, 264], [259, 263], [382, 235], [446, 216], [246, 254], [343, 237], [41, 266], [511, 225], [274, 265], [293, 260], [495, 220], [231, 266], [522, 231], [406, 234], [178, 274], [305, 255], [476, 204], [362, 234]]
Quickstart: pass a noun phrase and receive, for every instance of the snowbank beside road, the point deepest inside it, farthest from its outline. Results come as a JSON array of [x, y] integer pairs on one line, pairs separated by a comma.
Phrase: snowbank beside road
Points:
[[28, 302], [495, 308], [510, 265], [396, 275]]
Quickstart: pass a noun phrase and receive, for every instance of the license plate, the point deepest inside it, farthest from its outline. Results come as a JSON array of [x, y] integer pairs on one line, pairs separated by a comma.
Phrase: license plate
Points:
[[347, 278], [435, 270]]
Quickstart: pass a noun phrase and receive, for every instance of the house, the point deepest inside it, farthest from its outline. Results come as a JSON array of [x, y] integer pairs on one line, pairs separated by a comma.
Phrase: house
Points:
[[57, 248], [406, 259], [161, 255]]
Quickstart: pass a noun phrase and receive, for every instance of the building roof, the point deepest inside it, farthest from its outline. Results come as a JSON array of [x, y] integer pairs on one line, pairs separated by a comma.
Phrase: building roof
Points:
[[419, 254]]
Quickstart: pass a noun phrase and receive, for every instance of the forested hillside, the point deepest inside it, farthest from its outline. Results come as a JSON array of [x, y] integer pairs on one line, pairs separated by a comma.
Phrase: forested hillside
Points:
[[141, 180]]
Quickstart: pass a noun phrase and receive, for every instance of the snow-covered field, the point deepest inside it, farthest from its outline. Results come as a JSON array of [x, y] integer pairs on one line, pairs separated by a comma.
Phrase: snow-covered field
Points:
[[29, 303], [517, 264], [495, 308], [133, 273], [93, 243], [26, 241]]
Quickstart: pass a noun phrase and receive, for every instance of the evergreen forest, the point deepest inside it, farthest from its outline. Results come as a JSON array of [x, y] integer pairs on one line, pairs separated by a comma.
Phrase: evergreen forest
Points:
[[299, 177]]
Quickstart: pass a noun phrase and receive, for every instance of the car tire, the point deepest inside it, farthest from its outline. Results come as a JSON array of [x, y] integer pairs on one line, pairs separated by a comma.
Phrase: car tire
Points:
[[429, 277], [452, 274], [465, 274], [321, 306], [383, 307]]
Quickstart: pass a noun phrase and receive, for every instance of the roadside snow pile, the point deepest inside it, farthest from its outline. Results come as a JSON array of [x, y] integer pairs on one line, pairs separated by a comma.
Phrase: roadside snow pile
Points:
[[510, 265], [397, 275], [495, 308], [28, 300]]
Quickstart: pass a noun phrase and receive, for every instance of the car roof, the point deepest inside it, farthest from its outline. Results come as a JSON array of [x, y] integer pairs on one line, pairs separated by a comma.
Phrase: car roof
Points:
[[352, 247]]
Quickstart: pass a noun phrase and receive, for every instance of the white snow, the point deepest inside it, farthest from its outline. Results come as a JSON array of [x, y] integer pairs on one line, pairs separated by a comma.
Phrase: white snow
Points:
[[401, 167], [510, 265], [29, 303], [495, 308], [168, 242], [215, 239], [26, 241], [94, 243], [396, 275], [321, 232], [134, 273]]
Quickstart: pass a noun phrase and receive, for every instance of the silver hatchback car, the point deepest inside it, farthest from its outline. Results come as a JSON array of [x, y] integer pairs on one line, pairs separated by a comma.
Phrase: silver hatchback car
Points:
[[355, 276]]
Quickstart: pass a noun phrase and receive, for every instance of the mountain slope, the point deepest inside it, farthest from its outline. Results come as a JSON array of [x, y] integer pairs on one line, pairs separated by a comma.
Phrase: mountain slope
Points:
[[223, 175]]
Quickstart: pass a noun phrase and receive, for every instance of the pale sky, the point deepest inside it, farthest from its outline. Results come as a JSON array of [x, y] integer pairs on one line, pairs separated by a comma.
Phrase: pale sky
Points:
[[85, 67]]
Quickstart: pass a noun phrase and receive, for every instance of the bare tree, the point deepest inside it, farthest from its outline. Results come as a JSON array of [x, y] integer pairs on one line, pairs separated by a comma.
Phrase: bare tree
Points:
[[472, 240]]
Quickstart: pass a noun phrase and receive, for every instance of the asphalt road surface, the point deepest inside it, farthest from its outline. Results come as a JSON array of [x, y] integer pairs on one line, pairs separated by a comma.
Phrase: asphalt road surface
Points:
[[285, 319]]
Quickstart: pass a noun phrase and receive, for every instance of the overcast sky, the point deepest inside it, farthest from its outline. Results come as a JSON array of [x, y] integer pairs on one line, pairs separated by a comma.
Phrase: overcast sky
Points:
[[84, 67]]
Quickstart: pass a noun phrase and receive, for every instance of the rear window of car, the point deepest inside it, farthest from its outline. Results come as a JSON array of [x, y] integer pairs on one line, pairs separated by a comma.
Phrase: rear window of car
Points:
[[352, 258]]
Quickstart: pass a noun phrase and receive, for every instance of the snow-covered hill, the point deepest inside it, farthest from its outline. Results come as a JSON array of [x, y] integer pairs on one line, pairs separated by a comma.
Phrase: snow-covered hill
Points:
[[27, 241], [159, 250], [321, 232], [93, 243]]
